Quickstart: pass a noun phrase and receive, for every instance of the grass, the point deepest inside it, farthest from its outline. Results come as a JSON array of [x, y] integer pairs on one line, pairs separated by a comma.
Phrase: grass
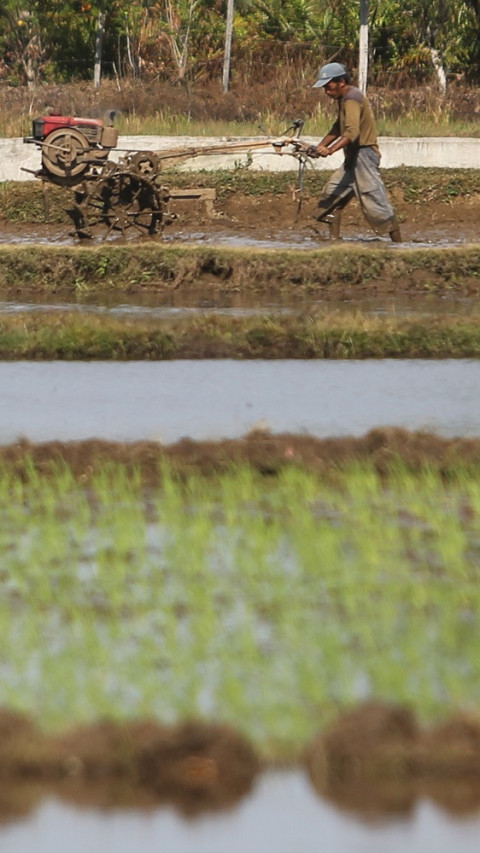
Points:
[[412, 123], [316, 334], [421, 125], [270, 604]]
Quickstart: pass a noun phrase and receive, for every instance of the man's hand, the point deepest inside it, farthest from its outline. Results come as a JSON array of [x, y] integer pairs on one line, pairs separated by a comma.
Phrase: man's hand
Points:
[[323, 151], [316, 151]]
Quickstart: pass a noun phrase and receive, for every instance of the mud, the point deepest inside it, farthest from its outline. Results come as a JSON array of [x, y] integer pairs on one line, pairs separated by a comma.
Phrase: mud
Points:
[[255, 245], [377, 760], [272, 220], [374, 760], [432, 223], [266, 453], [196, 766]]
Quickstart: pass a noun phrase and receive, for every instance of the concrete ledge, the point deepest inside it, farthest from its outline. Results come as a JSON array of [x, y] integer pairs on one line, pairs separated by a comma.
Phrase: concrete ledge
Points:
[[434, 152]]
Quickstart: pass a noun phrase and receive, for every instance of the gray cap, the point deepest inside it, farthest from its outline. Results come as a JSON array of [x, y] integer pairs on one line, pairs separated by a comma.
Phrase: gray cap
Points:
[[329, 72]]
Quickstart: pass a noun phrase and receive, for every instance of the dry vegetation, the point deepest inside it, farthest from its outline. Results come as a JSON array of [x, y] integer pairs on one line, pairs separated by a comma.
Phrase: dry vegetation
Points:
[[275, 95]]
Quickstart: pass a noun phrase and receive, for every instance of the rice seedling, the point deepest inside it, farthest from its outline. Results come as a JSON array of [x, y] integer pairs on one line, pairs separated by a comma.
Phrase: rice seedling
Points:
[[266, 602]]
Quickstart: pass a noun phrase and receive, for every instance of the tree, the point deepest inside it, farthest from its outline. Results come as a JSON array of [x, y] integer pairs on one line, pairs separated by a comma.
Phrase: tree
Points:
[[180, 18], [99, 36], [418, 35], [67, 39], [21, 40], [472, 37]]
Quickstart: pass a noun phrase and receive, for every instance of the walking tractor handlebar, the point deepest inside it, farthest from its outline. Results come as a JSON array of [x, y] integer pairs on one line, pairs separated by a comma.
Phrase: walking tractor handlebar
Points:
[[296, 147], [291, 141]]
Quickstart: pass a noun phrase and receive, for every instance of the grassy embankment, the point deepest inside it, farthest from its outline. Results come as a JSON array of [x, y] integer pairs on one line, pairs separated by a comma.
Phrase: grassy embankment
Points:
[[321, 335], [269, 603]]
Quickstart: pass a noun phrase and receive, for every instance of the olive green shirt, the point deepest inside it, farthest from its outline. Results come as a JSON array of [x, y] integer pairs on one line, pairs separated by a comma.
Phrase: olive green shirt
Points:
[[356, 121]]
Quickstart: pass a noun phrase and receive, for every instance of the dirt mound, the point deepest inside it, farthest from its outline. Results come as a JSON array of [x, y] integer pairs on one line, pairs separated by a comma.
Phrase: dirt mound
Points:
[[24, 751], [376, 760], [453, 748], [371, 740], [194, 766], [384, 448], [201, 765]]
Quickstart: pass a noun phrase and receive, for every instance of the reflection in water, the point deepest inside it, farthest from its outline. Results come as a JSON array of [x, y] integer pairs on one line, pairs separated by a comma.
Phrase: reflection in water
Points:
[[205, 399], [282, 815]]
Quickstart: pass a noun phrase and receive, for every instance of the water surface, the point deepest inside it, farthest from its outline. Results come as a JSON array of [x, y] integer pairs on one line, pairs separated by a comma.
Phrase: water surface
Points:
[[212, 399], [157, 306], [282, 816]]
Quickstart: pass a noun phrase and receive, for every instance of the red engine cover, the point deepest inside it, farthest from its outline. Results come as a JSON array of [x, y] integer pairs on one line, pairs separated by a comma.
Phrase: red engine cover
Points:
[[44, 125]]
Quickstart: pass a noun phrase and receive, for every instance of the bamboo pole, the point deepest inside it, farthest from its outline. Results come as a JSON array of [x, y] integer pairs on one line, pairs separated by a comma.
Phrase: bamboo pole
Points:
[[228, 44], [363, 47], [97, 65]]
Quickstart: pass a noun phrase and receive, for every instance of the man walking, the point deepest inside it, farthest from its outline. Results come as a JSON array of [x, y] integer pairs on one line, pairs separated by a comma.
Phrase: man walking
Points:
[[355, 132]]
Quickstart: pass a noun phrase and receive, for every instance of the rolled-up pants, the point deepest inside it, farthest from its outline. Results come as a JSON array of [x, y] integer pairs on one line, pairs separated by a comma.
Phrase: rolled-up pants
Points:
[[360, 177]]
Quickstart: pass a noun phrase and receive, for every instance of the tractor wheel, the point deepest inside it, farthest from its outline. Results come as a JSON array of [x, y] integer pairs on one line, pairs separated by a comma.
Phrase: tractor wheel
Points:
[[118, 202], [64, 153], [144, 163]]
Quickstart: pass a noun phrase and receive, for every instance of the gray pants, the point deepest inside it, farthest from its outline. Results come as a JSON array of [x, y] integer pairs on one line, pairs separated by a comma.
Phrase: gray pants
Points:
[[360, 177]]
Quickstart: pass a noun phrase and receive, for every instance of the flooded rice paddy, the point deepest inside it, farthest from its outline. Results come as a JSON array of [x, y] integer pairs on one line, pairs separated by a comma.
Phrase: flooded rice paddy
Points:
[[160, 602], [211, 399]]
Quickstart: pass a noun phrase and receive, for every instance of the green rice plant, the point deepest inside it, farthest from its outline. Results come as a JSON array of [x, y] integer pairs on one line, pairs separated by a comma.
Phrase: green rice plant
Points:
[[269, 602]]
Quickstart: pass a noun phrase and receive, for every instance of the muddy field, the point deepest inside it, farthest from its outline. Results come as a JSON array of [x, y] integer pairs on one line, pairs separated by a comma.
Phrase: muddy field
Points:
[[274, 219], [270, 218], [252, 243]]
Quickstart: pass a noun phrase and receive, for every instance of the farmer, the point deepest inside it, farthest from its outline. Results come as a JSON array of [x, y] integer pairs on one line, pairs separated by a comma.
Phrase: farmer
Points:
[[355, 132]]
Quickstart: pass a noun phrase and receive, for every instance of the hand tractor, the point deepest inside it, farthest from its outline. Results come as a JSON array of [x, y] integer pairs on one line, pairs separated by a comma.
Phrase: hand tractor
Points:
[[128, 194]]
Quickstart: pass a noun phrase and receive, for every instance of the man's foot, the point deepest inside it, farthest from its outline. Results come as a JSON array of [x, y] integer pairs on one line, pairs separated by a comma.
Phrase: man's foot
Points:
[[394, 231], [334, 221]]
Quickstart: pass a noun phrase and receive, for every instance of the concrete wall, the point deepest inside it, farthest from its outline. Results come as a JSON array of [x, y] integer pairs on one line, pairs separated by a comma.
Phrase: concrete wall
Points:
[[437, 152]]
